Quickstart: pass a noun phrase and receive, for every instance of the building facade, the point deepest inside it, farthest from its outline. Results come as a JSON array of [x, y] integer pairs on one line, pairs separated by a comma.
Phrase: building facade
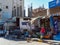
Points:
[[54, 8], [30, 11], [6, 9], [11, 8], [38, 14], [18, 8]]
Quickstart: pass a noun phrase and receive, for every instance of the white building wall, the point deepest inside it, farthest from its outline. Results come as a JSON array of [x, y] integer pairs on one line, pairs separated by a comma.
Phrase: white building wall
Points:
[[22, 4], [7, 13], [19, 3], [0, 11], [1, 8]]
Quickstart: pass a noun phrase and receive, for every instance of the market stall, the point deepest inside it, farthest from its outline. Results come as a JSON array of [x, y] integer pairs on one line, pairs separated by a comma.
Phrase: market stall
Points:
[[46, 23]]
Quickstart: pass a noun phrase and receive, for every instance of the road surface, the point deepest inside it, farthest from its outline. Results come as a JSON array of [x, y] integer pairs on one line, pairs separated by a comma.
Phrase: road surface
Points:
[[4, 41]]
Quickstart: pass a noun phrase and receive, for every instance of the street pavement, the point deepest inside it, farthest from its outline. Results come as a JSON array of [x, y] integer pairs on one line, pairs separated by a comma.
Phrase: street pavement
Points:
[[4, 41], [15, 41]]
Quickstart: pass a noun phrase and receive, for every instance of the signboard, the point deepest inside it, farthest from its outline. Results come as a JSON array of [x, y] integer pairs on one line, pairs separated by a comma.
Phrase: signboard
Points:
[[54, 3]]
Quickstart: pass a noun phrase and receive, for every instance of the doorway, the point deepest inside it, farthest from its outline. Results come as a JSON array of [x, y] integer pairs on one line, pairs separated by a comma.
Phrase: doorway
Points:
[[17, 22]]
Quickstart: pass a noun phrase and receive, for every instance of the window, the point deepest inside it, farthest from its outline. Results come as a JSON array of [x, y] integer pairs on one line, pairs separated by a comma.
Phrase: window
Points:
[[14, 6], [0, 9], [17, 11], [6, 7], [13, 12], [20, 11]]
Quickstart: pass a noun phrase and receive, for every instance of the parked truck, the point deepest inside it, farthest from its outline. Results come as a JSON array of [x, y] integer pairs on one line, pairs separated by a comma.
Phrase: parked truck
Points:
[[24, 24]]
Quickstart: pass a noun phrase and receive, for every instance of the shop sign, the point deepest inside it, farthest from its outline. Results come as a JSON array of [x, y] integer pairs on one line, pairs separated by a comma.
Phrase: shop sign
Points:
[[54, 3]]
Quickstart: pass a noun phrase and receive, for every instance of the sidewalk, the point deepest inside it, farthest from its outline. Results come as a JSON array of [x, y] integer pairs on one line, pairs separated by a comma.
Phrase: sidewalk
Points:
[[11, 42]]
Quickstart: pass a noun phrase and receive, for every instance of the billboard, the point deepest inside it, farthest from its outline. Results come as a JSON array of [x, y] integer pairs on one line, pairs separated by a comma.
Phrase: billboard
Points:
[[54, 3]]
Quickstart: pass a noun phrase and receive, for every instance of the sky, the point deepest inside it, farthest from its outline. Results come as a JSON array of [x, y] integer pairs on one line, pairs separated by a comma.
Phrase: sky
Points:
[[36, 3]]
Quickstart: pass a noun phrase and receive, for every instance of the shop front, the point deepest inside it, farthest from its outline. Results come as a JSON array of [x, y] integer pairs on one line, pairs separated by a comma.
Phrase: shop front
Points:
[[46, 23], [54, 10], [56, 27], [56, 23]]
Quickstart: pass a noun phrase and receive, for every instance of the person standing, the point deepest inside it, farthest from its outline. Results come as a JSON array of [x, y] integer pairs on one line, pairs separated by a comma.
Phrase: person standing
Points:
[[6, 29], [28, 36], [42, 32], [7, 33]]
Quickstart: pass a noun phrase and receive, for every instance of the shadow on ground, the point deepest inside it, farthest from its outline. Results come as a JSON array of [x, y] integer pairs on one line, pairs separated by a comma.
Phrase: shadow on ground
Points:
[[14, 39]]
